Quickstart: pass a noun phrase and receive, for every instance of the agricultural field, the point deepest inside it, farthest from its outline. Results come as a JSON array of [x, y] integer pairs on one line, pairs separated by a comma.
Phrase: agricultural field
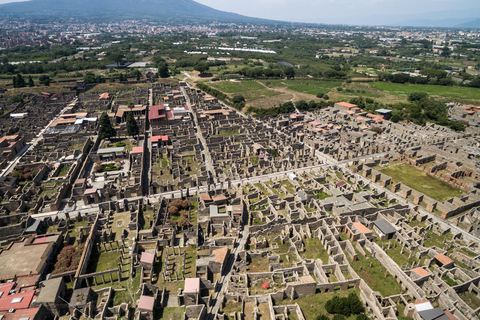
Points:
[[458, 94]]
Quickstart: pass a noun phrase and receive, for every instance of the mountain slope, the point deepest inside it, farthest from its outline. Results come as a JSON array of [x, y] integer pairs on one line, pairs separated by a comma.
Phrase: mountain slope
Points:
[[166, 9]]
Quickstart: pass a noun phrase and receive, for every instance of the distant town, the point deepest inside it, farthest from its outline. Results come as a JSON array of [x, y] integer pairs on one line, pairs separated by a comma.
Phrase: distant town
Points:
[[214, 171]]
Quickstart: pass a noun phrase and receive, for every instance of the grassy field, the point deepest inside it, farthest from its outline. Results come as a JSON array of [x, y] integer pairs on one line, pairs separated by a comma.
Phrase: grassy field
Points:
[[312, 87], [313, 306], [373, 272], [422, 182], [460, 94], [237, 86]]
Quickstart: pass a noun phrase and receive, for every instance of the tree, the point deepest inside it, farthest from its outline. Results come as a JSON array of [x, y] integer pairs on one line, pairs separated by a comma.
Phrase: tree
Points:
[[445, 52], [163, 69], [30, 82], [18, 81], [289, 73], [132, 127], [201, 67], [89, 77], [44, 79], [465, 76], [116, 57], [106, 130]]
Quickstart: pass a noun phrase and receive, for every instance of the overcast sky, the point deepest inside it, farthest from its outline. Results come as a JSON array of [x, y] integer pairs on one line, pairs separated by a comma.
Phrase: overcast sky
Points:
[[347, 11]]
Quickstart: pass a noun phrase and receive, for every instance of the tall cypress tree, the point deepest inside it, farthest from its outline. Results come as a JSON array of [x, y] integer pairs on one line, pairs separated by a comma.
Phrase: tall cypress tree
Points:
[[106, 130], [132, 127], [30, 82], [20, 81]]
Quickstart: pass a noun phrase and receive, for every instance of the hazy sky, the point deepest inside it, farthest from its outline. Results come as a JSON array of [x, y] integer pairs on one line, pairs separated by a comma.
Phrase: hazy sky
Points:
[[346, 11], [334, 11]]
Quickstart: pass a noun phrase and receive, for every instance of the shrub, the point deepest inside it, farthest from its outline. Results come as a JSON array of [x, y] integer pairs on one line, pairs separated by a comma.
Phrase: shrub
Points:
[[345, 306]]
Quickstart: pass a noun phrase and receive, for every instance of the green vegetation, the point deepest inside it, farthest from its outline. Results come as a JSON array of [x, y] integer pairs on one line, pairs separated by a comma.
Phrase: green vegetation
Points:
[[449, 281], [227, 133], [169, 313], [103, 261], [345, 306], [471, 299], [237, 86], [105, 167], [375, 275], [64, 170], [319, 301], [106, 130], [460, 94], [314, 249], [312, 87], [422, 182]]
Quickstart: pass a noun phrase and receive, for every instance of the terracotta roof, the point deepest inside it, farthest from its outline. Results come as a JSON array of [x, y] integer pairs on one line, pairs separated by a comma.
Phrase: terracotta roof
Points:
[[219, 198], [159, 138], [137, 150], [347, 105], [443, 259], [7, 301], [147, 257], [105, 95], [220, 254], [20, 314], [146, 303], [154, 112], [192, 285], [421, 272], [205, 197], [90, 191], [360, 227]]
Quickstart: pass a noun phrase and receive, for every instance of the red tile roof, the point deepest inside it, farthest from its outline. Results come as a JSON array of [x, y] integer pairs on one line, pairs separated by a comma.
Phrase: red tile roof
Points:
[[25, 297], [137, 150], [146, 303], [220, 254], [159, 138], [205, 197], [147, 257], [360, 227], [421, 272], [154, 112], [347, 105], [20, 314], [443, 259], [192, 285]]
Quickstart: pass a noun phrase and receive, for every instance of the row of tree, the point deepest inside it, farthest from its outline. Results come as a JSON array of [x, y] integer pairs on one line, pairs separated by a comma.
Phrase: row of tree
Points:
[[107, 131]]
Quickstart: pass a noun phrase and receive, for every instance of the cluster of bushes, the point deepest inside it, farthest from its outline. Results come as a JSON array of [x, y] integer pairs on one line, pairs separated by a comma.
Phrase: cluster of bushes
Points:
[[26, 174], [238, 102], [322, 95], [303, 105], [261, 72], [344, 307], [68, 259], [419, 110], [105, 167], [178, 210], [214, 92], [286, 107]]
